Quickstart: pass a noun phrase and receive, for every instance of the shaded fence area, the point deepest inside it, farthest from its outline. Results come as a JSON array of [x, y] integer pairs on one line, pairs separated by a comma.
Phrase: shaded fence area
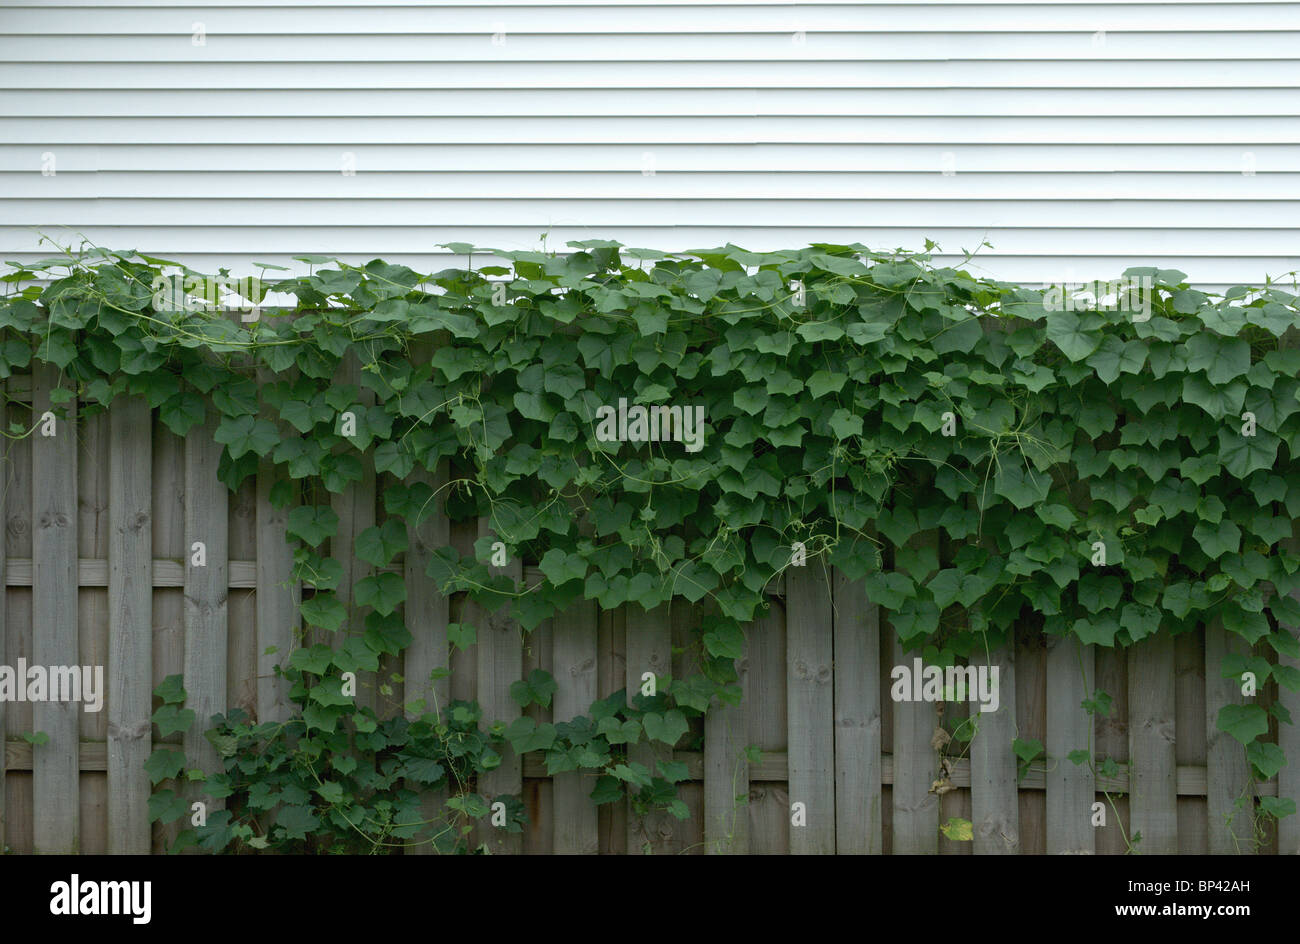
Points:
[[106, 519]]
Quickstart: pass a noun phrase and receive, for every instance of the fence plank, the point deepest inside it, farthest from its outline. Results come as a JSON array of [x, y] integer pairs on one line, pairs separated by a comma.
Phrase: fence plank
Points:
[[18, 616], [1031, 724], [427, 610], [1071, 791], [241, 604], [207, 623], [810, 708], [916, 761], [92, 615], [539, 832], [1288, 738], [130, 624], [726, 772], [573, 647], [500, 664], [611, 677], [1189, 749], [427, 614], [1230, 830], [168, 508], [5, 500], [355, 506], [995, 806], [56, 776], [1153, 780], [649, 649], [278, 595], [916, 809], [1112, 741], [765, 698], [857, 720]]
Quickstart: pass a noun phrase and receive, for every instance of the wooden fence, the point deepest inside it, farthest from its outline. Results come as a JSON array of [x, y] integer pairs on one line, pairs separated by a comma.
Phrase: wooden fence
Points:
[[101, 520]]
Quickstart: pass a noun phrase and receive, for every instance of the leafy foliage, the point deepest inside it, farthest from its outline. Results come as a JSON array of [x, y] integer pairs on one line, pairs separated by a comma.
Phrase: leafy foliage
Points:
[[1117, 474]]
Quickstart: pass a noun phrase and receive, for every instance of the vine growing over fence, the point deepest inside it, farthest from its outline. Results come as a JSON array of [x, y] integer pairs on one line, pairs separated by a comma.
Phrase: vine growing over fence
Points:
[[1122, 468]]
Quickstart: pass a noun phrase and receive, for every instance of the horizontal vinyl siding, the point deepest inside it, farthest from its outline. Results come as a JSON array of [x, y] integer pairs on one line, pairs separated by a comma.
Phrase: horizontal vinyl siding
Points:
[[1076, 138]]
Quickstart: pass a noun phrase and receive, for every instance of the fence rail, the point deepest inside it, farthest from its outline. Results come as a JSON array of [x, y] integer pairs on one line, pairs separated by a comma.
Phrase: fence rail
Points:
[[104, 523]]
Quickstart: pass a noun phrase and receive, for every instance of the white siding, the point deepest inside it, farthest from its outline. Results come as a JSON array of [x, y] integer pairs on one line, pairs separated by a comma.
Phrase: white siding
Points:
[[1077, 138]]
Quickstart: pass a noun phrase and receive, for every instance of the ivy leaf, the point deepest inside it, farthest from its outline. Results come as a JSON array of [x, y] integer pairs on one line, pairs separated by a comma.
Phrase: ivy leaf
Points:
[[618, 731], [461, 635], [1250, 625], [236, 398], [958, 830], [1098, 594], [666, 728], [1027, 749], [379, 545], [1114, 357], [172, 720], [167, 806], [1217, 539], [244, 434], [1022, 487], [845, 425], [823, 382], [538, 688], [315, 660], [820, 331], [1097, 630], [725, 641], [1140, 621], [889, 589], [164, 764], [171, 690], [560, 566], [296, 822], [1075, 335], [424, 770], [1242, 455], [1243, 722], [58, 348], [752, 400], [607, 790], [312, 524], [324, 610], [182, 412], [525, 734], [864, 333], [384, 592], [1277, 807], [564, 380], [1216, 401]]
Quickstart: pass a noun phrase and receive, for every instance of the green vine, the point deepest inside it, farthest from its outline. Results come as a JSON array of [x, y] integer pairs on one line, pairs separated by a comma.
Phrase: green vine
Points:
[[1121, 470]]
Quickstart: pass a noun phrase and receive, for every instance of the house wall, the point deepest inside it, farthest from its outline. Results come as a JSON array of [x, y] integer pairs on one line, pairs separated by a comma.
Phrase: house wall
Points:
[[1076, 138]]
